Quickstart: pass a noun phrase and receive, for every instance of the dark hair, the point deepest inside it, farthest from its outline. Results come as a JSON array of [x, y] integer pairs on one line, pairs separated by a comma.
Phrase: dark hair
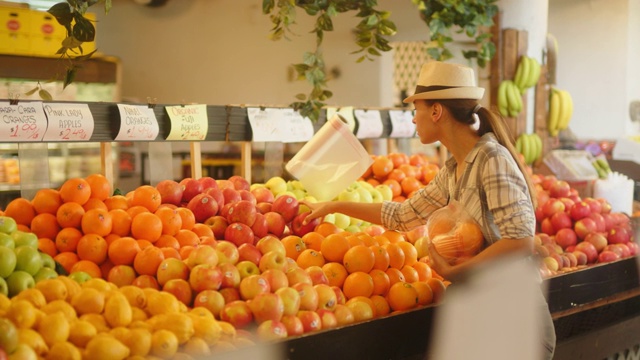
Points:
[[490, 121]]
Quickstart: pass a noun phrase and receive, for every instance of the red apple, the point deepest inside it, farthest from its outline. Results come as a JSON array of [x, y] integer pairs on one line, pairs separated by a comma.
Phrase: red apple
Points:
[[297, 275], [211, 300], [272, 260], [546, 227], [584, 226], [171, 268], [290, 300], [566, 237], [266, 306], [579, 210], [581, 257], [202, 255], [293, 325], [218, 225], [239, 183], [607, 256], [271, 243], [247, 268], [249, 252], [190, 188], [253, 285], [542, 196], [271, 330], [262, 194], [594, 204], [227, 252], [287, 206], [606, 206], [310, 320], [230, 275], [263, 207], [216, 193], [246, 195], [170, 192], [633, 248], [299, 228], [208, 182], [260, 226], [231, 195], [203, 207], [599, 219], [276, 223], [237, 313], [181, 289], [539, 213], [308, 296], [559, 189], [230, 294], [224, 184], [329, 320], [597, 239], [568, 203], [277, 278], [624, 250], [548, 181], [239, 233], [327, 298], [561, 220], [618, 235], [573, 260], [317, 275], [243, 212], [552, 206], [205, 277], [589, 250], [340, 298]]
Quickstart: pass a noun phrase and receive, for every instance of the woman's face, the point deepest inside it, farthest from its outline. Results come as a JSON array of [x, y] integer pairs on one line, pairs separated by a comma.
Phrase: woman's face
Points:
[[424, 122]]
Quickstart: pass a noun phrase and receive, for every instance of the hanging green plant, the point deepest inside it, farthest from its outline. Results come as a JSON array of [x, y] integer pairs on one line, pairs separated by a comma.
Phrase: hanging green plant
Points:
[[470, 17], [371, 38]]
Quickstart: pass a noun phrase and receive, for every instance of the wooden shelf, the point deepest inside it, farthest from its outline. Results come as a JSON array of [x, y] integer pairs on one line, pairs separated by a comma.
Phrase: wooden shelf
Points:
[[94, 70]]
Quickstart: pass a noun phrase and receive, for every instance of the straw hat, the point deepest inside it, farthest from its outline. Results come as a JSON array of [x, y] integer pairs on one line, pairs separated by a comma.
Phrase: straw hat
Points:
[[440, 80]]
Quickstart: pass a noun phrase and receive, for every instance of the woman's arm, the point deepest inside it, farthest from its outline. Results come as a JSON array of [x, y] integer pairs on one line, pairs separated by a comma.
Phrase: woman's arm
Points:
[[370, 212]]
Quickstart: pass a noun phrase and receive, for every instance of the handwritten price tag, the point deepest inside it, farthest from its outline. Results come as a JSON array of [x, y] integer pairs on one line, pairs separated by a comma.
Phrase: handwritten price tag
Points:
[[188, 122], [402, 125], [23, 122], [369, 124], [295, 128], [137, 122], [264, 124], [68, 122]]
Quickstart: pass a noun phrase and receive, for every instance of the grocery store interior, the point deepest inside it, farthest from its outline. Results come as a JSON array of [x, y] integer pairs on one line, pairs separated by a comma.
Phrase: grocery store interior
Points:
[[183, 53]]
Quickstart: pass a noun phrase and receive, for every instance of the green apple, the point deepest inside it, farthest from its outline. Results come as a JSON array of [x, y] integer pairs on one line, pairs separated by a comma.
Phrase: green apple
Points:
[[376, 196], [28, 259], [299, 194], [330, 218], [276, 184], [47, 261], [256, 186], [247, 268], [19, 280], [385, 191], [351, 195], [22, 238], [365, 195], [45, 273], [353, 229], [296, 184], [286, 192], [8, 336], [7, 225], [7, 261], [355, 221], [4, 288], [79, 276], [7, 241], [366, 185], [342, 220], [354, 185]]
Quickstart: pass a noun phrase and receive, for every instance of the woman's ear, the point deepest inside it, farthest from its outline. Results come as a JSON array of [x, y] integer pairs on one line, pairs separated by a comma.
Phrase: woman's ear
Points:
[[436, 111]]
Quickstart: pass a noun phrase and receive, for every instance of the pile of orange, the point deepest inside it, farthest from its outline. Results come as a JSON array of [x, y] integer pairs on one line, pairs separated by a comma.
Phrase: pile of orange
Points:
[[404, 174]]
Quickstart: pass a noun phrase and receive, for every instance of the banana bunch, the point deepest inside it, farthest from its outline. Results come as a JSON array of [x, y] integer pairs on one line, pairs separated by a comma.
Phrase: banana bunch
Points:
[[560, 110], [527, 73], [530, 146], [509, 99], [602, 167]]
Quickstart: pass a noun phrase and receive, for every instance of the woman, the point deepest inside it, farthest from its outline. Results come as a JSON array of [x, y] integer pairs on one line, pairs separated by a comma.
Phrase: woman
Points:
[[484, 174]]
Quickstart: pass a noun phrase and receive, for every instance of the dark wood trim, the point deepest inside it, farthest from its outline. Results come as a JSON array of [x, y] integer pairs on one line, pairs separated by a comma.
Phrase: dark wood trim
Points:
[[95, 70]]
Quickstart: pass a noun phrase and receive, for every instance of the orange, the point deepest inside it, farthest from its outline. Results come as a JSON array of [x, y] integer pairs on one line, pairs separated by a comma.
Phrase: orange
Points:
[[67, 239], [92, 247], [381, 167], [410, 184], [168, 241], [396, 255], [116, 202], [327, 228], [171, 220], [75, 189], [70, 215], [395, 275], [47, 246], [334, 246], [67, 259], [424, 270], [146, 281], [380, 304], [293, 246], [381, 257], [313, 240], [354, 239], [146, 226], [105, 268], [410, 274], [202, 230], [147, 196], [187, 238], [396, 189], [410, 252], [170, 252], [97, 221], [21, 210], [335, 272], [148, 260], [367, 239], [121, 275], [438, 225], [144, 243], [425, 294], [186, 250], [381, 282], [188, 218], [100, 186], [94, 203], [393, 236], [310, 257], [45, 225], [359, 258], [123, 251], [121, 222], [135, 210], [46, 201], [438, 288], [111, 238], [402, 296], [397, 175], [87, 266], [358, 284]]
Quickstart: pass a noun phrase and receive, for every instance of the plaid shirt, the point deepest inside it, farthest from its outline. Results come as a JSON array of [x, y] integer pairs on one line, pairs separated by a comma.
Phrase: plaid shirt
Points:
[[492, 190]]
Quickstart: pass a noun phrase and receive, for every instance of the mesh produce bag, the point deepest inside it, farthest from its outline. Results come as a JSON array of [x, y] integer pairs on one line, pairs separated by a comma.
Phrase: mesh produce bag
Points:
[[454, 233]]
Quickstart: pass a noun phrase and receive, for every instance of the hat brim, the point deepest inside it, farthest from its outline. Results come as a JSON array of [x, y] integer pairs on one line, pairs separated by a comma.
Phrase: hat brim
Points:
[[474, 93]]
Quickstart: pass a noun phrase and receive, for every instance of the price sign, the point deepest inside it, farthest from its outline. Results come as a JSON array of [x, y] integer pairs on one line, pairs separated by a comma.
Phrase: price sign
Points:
[[347, 114], [402, 125], [369, 124], [22, 122], [188, 122], [264, 124], [137, 122], [68, 122], [295, 128]]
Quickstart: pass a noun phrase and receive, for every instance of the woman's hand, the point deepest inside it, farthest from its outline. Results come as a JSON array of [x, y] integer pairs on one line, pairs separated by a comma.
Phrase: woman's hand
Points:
[[318, 210], [438, 263]]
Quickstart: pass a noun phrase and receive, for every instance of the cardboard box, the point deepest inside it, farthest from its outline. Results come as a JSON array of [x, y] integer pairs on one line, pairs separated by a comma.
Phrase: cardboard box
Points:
[[14, 30], [46, 34]]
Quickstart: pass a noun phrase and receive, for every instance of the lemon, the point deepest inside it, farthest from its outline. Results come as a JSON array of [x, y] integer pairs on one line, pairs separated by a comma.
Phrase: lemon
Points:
[[196, 347], [138, 314], [161, 302], [8, 335], [80, 332], [98, 321], [135, 295], [117, 310], [106, 348], [208, 329], [23, 352], [178, 323], [22, 313], [33, 339], [64, 351], [88, 301], [34, 296], [72, 286], [60, 306], [5, 302], [164, 343], [53, 289], [139, 341], [99, 284], [54, 328]]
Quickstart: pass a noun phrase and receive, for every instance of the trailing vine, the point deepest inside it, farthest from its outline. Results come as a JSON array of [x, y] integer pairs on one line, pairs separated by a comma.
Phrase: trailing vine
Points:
[[371, 37]]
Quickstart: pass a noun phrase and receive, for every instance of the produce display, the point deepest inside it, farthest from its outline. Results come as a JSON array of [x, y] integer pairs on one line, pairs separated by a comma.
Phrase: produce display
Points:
[[190, 268]]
